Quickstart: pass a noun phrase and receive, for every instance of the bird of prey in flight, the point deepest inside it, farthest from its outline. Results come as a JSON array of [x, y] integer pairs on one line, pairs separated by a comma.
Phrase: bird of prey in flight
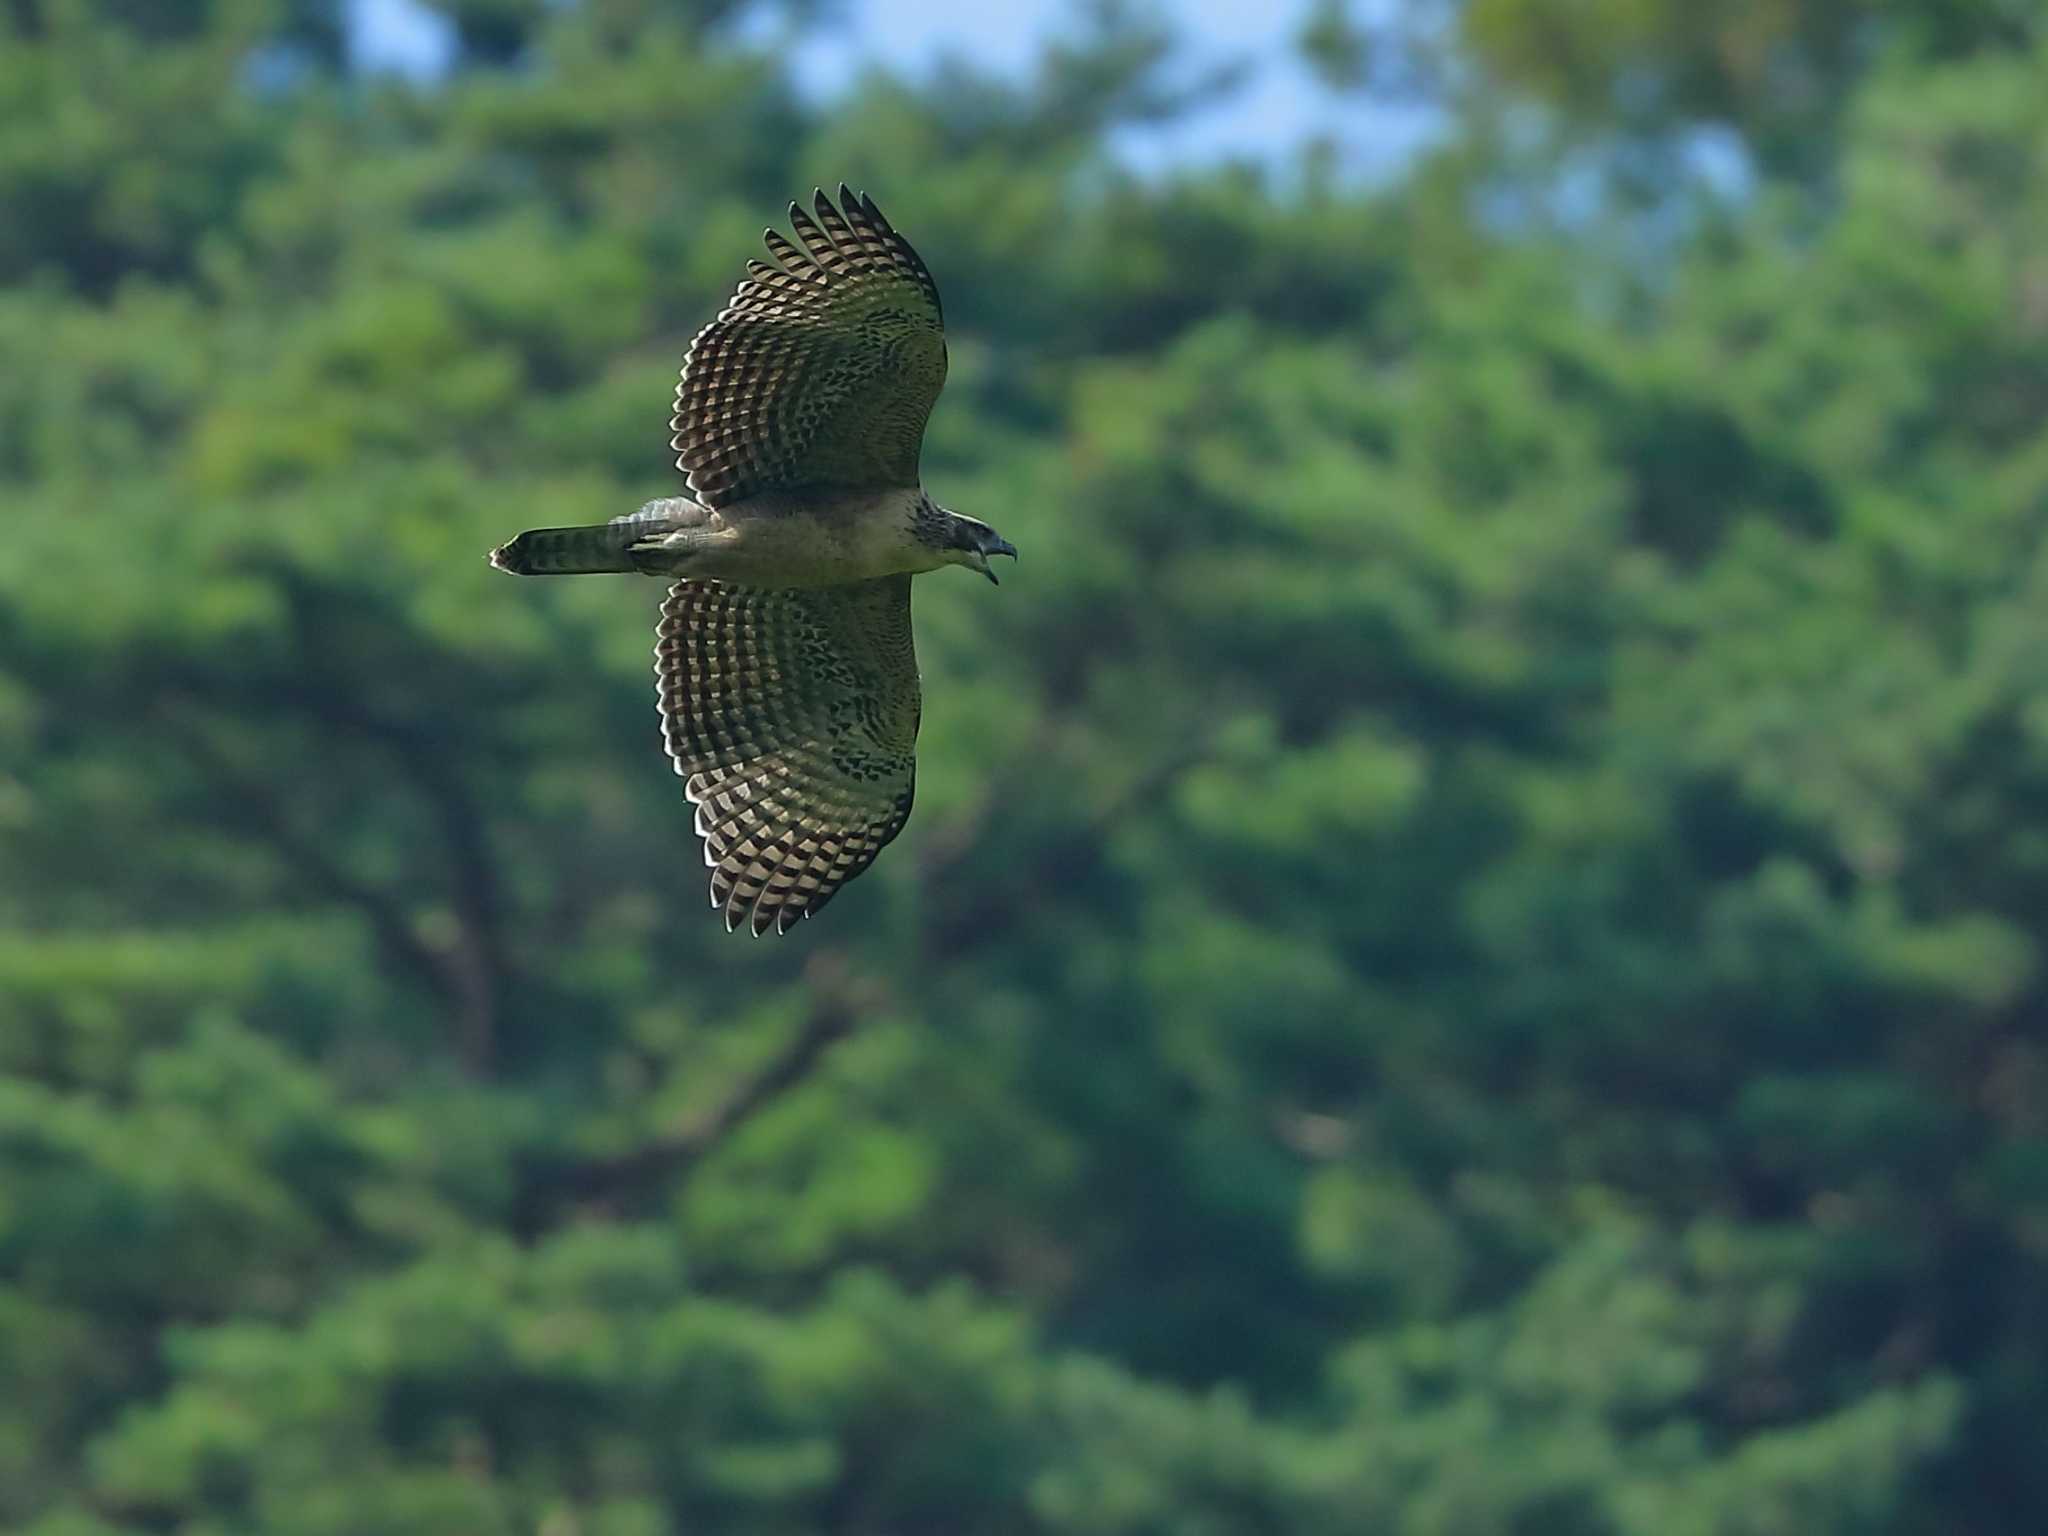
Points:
[[785, 674]]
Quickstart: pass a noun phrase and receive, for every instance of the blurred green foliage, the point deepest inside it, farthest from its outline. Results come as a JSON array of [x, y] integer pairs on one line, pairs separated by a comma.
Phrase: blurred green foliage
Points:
[[1469, 959]]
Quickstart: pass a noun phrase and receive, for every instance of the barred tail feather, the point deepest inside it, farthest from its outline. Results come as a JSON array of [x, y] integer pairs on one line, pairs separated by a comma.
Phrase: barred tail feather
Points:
[[567, 551]]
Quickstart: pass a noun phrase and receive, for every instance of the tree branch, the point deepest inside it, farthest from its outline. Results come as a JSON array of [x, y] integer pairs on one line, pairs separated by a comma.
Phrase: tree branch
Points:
[[839, 1002], [971, 917]]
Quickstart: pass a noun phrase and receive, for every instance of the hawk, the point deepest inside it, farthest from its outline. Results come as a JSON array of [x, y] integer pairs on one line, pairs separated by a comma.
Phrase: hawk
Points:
[[785, 675]]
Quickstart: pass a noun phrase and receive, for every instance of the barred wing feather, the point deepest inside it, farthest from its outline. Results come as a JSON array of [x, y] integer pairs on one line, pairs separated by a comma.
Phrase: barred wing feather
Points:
[[822, 370], [792, 716]]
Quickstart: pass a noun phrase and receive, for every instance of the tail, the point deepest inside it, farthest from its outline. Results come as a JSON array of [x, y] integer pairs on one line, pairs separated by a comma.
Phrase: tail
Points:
[[568, 551]]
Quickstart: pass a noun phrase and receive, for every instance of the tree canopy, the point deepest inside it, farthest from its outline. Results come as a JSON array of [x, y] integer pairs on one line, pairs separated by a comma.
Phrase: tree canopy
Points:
[[1468, 962]]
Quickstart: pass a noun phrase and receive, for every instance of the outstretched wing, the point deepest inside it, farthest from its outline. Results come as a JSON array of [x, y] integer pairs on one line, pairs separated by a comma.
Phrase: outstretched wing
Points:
[[792, 716], [823, 368]]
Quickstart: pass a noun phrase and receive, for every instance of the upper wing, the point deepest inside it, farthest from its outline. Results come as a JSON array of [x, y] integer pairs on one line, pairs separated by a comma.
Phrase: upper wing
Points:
[[823, 368], [792, 715]]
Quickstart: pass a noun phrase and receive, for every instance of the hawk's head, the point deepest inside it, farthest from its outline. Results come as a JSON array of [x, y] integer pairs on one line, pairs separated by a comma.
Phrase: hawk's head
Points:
[[959, 540]]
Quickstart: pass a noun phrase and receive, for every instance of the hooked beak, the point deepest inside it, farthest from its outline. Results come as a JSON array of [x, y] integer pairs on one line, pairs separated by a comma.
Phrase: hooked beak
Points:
[[996, 546]]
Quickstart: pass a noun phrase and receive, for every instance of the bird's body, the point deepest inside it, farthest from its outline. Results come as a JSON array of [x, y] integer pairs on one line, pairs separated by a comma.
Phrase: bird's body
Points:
[[787, 680], [797, 538]]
